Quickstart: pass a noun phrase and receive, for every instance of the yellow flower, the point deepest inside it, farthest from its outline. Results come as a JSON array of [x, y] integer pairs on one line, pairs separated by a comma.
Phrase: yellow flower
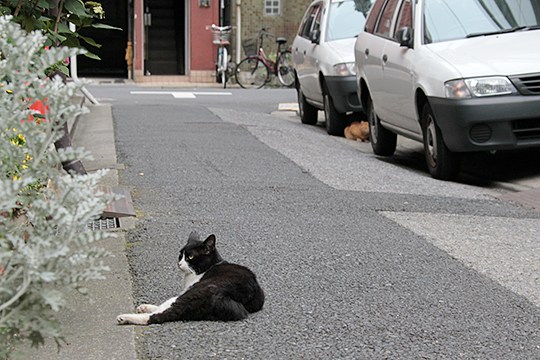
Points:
[[16, 178], [23, 163]]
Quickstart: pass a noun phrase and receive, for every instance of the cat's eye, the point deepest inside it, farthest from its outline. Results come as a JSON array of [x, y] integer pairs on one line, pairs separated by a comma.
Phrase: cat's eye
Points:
[[190, 257]]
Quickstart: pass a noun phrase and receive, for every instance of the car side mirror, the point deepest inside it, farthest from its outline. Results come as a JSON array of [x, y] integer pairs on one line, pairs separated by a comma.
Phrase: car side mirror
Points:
[[314, 36], [404, 36]]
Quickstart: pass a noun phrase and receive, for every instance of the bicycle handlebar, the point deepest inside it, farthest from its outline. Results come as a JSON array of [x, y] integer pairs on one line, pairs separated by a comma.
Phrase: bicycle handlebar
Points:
[[265, 32], [218, 28]]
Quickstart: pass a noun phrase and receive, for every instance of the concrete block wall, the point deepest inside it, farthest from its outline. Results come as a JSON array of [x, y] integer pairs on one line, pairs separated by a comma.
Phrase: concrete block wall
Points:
[[285, 25]]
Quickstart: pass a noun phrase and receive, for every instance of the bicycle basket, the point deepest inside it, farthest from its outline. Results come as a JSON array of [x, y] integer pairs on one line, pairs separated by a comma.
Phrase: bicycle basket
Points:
[[250, 46], [220, 36]]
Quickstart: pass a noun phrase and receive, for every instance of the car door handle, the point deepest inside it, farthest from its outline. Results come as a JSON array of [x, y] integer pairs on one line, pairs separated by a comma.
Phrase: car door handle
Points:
[[366, 52], [385, 58]]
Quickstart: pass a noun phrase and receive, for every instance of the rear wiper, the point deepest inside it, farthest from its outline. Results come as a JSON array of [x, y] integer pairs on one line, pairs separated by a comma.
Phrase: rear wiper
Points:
[[504, 31]]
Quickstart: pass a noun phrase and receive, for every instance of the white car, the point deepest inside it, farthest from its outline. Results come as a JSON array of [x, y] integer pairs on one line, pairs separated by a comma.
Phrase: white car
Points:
[[458, 75], [323, 55]]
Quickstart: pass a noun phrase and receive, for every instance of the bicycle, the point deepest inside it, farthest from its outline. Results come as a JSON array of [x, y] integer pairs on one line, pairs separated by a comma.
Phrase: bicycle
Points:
[[255, 69], [221, 36]]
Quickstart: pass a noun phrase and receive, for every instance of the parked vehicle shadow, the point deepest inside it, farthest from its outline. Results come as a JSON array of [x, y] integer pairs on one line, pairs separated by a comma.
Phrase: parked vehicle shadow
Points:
[[518, 167], [521, 168], [505, 166]]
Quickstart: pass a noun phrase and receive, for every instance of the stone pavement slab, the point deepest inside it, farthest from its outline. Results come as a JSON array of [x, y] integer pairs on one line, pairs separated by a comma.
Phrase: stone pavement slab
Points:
[[528, 198]]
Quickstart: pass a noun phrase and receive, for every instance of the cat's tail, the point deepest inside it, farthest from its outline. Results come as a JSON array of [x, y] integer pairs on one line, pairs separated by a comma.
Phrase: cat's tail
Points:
[[257, 301], [229, 310]]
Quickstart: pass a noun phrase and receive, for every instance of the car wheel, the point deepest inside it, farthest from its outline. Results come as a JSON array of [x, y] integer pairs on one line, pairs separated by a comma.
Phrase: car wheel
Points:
[[442, 163], [383, 141], [308, 112], [335, 122]]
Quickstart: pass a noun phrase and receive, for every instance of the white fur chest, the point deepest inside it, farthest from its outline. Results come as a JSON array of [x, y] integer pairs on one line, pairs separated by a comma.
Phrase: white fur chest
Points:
[[190, 279]]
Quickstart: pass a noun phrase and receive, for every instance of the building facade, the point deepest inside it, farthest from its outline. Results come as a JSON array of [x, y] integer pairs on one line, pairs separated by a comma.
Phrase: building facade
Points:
[[280, 17], [168, 40]]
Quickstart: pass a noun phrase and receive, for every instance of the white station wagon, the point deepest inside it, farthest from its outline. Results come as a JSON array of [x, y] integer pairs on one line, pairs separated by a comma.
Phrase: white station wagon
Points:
[[458, 75], [323, 55]]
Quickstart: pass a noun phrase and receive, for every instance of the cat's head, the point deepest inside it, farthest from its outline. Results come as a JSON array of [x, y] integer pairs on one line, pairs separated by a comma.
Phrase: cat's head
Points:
[[198, 256]]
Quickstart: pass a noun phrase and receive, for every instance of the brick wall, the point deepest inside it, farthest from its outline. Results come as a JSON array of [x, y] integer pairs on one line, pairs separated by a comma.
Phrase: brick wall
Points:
[[253, 19]]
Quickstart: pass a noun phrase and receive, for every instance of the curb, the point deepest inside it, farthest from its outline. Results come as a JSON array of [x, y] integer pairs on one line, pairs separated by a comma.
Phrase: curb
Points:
[[88, 323]]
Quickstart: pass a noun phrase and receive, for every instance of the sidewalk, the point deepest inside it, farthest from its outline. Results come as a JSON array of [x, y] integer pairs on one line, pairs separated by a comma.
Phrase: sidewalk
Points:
[[88, 323]]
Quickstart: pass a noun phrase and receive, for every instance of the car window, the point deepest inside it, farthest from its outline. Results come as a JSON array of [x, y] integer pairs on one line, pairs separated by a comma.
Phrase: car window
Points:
[[385, 22], [347, 18], [456, 19], [310, 16], [317, 21], [404, 16], [373, 16]]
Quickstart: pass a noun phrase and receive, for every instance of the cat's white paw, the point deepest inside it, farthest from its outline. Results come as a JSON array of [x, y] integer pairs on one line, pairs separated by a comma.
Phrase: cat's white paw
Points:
[[122, 320], [146, 309], [135, 319]]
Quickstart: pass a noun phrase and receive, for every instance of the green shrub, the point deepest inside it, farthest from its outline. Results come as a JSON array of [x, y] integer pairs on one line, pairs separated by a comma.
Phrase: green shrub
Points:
[[45, 247], [52, 18]]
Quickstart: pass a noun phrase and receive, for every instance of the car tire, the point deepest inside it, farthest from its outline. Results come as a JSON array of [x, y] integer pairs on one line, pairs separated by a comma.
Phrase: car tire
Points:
[[383, 141], [308, 113], [442, 163], [335, 122]]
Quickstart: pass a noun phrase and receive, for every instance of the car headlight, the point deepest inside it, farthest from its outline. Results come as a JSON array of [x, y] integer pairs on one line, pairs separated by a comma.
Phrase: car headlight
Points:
[[344, 69], [478, 87]]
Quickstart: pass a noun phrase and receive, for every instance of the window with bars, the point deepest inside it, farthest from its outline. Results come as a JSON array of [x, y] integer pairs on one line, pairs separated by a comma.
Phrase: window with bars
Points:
[[272, 7]]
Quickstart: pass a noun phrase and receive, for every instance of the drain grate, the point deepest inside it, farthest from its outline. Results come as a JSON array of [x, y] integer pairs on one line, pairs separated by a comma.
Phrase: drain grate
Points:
[[104, 224]]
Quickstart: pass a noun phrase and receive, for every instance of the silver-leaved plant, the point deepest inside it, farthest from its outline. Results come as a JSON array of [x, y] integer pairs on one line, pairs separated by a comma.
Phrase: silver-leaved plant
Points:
[[45, 247]]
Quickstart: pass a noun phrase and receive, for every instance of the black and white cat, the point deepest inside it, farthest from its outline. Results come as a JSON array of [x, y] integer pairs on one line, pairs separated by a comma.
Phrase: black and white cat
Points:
[[213, 289]]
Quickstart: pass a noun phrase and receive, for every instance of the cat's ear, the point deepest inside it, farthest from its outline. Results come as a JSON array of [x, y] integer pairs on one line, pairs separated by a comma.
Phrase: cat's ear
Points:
[[210, 243], [193, 237]]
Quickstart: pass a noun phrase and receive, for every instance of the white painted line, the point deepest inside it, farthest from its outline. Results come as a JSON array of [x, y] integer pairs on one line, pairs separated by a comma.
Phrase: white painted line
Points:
[[212, 93], [183, 95], [150, 93], [288, 107]]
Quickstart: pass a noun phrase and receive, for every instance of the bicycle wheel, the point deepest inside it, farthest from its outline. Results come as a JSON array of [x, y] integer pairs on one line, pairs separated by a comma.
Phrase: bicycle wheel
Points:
[[285, 72], [224, 67], [218, 65], [251, 73]]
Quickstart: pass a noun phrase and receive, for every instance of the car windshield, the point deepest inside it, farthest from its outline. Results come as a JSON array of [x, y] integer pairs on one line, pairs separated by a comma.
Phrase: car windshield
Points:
[[346, 18], [457, 19]]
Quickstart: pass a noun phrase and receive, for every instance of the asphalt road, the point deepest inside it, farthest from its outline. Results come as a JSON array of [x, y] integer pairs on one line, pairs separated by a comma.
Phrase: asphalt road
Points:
[[359, 257]]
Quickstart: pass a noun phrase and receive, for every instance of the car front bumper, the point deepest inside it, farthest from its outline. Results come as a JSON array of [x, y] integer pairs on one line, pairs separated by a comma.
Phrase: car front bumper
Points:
[[485, 124], [342, 90]]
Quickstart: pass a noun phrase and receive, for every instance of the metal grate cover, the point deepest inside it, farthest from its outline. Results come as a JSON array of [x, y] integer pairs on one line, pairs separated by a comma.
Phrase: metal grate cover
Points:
[[104, 224]]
